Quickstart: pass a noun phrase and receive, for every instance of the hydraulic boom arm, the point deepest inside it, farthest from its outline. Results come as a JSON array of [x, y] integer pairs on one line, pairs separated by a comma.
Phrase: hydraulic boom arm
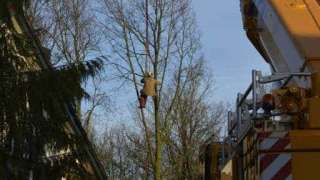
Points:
[[286, 33]]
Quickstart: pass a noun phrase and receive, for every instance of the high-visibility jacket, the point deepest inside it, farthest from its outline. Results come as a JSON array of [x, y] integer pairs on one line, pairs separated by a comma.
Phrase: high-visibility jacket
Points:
[[149, 87]]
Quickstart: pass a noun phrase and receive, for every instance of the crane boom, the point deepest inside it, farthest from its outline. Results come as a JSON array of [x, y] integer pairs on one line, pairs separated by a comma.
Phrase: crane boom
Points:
[[286, 33]]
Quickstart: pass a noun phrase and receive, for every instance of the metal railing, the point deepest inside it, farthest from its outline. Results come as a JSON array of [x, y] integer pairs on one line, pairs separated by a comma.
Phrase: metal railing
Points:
[[247, 105]]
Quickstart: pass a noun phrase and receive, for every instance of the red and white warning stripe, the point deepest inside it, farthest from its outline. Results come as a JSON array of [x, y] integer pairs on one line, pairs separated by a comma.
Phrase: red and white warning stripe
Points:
[[274, 164]]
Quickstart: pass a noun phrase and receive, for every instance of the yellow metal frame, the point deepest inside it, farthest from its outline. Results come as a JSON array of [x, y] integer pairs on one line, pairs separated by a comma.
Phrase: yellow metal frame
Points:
[[305, 145]]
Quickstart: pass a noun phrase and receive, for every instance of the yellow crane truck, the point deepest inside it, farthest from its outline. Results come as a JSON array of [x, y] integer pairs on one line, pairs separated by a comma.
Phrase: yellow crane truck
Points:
[[274, 134]]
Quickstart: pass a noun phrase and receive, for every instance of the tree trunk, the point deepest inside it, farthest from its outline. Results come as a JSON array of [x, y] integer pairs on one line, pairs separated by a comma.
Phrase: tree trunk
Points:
[[157, 165]]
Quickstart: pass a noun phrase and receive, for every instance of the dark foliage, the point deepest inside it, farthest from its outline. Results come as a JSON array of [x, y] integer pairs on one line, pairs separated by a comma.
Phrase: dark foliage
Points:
[[34, 135]]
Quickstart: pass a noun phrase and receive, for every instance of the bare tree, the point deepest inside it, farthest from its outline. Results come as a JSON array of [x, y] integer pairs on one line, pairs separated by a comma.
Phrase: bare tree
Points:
[[121, 152], [192, 121], [97, 105], [155, 36], [69, 28]]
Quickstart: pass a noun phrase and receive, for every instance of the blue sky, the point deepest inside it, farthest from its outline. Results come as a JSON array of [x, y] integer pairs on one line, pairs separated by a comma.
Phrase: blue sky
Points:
[[229, 53], [226, 47]]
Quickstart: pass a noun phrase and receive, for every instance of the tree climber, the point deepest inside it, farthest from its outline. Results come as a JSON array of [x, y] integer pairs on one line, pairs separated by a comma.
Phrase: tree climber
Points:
[[149, 89]]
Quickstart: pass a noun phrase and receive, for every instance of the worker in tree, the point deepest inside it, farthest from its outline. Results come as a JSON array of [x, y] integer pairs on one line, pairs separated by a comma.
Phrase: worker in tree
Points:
[[149, 89]]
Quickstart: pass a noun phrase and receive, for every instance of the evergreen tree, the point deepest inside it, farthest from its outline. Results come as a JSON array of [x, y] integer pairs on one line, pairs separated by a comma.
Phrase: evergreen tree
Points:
[[35, 138]]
